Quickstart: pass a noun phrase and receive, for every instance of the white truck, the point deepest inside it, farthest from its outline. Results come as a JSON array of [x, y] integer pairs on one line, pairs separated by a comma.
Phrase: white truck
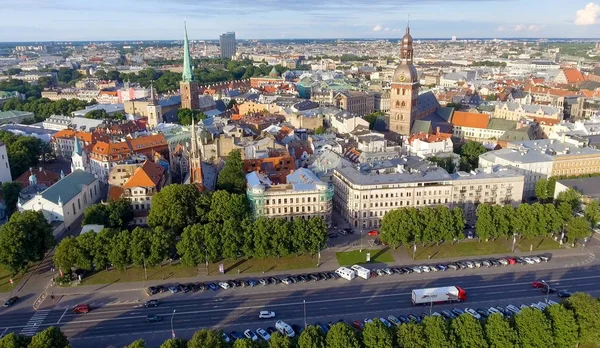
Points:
[[345, 273], [437, 295], [361, 271]]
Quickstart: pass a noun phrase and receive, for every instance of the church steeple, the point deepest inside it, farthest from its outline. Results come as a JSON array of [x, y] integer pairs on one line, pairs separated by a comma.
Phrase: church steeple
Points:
[[196, 176], [188, 75], [406, 51]]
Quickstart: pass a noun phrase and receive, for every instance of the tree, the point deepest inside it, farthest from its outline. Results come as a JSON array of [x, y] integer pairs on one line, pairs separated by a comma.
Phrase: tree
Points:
[[68, 254], [459, 222], [162, 243], [533, 329], [174, 207], [206, 338], [225, 206], [23, 151], [485, 224], [377, 335], [577, 229], [437, 332], [231, 104], [232, 177], [174, 343], [119, 213], [139, 246], [446, 163], [499, 333], [456, 106], [185, 116], [372, 118], [137, 344], [467, 332], [591, 212], [311, 338], [10, 192], [95, 214], [587, 315], [564, 326], [341, 335], [541, 190], [12, 340], [191, 248], [320, 130], [280, 341], [318, 234], [244, 343], [470, 152], [491, 97], [120, 250], [102, 247], [411, 335], [96, 114], [25, 238], [52, 337], [570, 196]]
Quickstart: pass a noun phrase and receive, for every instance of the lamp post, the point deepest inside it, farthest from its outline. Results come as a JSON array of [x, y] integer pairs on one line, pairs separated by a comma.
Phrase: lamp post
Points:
[[361, 240], [547, 288], [172, 330], [145, 272], [304, 301]]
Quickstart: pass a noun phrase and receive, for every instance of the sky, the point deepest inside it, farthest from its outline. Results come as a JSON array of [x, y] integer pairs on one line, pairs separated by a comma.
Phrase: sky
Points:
[[80, 20]]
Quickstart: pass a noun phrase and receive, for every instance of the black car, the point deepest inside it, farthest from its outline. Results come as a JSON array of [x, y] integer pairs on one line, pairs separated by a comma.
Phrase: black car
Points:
[[263, 281], [151, 290], [183, 288], [520, 260], [495, 262], [564, 294], [297, 329], [153, 319], [303, 278], [161, 288], [314, 277], [334, 275], [414, 318], [11, 301], [201, 287], [324, 276], [407, 270], [151, 303], [548, 290], [483, 312], [274, 280], [232, 284], [332, 235], [193, 287]]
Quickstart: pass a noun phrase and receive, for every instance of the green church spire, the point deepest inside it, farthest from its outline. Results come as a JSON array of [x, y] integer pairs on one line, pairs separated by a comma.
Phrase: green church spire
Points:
[[188, 73]]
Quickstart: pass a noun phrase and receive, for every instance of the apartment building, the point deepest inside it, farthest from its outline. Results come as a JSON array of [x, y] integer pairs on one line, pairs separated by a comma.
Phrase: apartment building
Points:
[[516, 111], [357, 102], [303, 195], [365, 193]]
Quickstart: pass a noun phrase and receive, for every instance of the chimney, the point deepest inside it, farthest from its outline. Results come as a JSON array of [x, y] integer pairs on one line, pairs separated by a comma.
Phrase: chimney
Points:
[[437, 130]]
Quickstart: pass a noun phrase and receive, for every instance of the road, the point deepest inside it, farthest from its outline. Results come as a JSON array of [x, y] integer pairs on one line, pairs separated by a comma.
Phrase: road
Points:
[[237, 309]]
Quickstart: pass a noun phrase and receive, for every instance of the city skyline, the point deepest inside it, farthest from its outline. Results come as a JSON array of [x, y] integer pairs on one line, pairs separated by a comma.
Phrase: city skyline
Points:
[[68, 20]]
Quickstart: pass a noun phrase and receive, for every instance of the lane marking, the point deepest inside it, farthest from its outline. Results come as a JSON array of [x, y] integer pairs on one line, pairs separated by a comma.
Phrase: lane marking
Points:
[[65, 312]]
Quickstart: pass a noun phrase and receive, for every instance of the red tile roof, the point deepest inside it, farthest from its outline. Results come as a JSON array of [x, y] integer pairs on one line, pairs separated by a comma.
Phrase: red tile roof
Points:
[[470, 119]]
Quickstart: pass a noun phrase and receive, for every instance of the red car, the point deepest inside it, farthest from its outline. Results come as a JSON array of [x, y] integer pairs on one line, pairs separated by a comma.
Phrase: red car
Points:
[[511, 261], [357, 325], [373, 233], [538, 285]]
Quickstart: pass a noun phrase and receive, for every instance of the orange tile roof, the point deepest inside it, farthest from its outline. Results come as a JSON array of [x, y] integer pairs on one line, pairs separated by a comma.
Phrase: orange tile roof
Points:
[[590, 94], [470, 119], [102, 148], [429, 138], [546, 121], [70, 134], [573, 75], [148, 174], [236, 117], [115, 193], [146, 142]]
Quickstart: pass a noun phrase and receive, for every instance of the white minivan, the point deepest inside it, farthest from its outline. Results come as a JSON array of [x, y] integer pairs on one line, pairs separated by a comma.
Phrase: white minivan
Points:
[[284, 328]]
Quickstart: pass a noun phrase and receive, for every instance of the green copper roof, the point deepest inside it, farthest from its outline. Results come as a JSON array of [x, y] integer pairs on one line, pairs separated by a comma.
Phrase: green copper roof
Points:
[[188, 73]]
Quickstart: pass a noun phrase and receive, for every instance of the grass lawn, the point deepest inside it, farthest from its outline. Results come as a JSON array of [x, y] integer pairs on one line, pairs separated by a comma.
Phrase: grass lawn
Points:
[[5, 285], [539, 244], [349, 258], [174, 271], [464, 248]]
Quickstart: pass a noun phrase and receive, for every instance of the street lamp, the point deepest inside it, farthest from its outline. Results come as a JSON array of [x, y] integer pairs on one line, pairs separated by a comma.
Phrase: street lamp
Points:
[[172, 330], [304, 301], [361, 240], [547, 288], [145, 272]]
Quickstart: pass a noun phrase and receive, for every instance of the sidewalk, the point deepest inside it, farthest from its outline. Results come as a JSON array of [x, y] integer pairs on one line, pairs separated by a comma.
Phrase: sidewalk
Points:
[[328, 263]]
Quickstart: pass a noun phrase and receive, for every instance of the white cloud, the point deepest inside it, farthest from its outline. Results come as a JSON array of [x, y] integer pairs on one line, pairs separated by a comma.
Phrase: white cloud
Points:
[[500, 28], [386, 29], [519, 27], [525, 28], [534, 27], [377, 28], [588, 15]]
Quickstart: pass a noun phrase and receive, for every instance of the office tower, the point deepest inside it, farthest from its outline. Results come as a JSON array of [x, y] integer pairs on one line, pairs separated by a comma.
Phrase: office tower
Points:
[[227, 43]]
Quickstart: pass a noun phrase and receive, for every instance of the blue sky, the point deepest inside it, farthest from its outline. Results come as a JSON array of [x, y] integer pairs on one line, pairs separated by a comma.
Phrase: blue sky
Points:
[[59, 20]]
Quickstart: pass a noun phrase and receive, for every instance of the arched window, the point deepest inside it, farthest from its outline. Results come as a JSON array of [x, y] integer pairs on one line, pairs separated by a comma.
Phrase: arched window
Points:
[[397, 103], [403, 91], [403, 104]]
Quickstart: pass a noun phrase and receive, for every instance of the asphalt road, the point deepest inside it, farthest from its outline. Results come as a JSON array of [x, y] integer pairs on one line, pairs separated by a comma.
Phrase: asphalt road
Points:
[[118, 325]]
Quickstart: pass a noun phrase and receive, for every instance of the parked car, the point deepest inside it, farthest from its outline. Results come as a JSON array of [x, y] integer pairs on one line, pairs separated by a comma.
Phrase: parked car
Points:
[[564, 294], [322, 327], [385, 322], [173, 289], [545, 257], [213, 286], [494, 310], [263, 281], [373, 233], [226, 337], [151, 290], [357, 325], [11, 301], [250, 335], [263, 334], [266, 315], [473, 313], [224, 285], [414, 318], [483, 312], [458, 311], [486, 263], [404, 319], [153, 318], [447, 314], [513, 309], [392, 319], [236, 335]]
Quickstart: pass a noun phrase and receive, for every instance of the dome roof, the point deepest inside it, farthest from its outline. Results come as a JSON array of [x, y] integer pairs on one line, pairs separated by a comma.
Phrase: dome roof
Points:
[[407, 39], [405, 73]]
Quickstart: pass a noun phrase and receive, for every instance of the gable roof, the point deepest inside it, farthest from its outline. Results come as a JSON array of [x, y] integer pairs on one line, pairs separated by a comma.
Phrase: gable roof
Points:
[[421, 126], [573, 75], [68, 187], [470, 119], [501, 124], [148, 174]]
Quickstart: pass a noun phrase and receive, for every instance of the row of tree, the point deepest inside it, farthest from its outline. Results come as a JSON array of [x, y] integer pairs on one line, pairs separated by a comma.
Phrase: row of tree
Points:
[[23, 152], [22, 87], [96, 251], [114, 214], [25, 238], [575, 322], [44, 107], [51, 337], [412, 225]]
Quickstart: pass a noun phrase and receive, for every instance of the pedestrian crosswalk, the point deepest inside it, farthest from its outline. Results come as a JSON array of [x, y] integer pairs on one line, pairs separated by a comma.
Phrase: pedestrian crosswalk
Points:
[[34, 323]]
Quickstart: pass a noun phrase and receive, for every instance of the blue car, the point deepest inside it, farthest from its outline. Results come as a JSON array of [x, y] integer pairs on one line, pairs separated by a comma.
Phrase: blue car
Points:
[[403, 319], [252, 282], [213, 286], [442, 267], [237, 336], [322, 327]]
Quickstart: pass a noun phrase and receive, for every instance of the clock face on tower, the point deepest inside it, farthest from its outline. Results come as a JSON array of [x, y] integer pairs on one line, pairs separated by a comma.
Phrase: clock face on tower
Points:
[[402, 77]]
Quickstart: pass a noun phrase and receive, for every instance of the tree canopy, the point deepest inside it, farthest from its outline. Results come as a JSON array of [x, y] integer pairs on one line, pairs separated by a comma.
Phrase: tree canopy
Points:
[[232, 177], [469, 154], [185, 116]]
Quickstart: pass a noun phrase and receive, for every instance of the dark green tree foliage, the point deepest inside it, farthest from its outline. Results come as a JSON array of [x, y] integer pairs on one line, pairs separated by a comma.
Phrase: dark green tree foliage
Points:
[[320, 130], [373, 117], [23, 151], [244, 343], [68, 76], [52, 337], [591, 212], [446, 163], [13, 340], [44, 107], [120, 250], [114, 214], [137, 344], [68, 255], [280, 341], [311, 338], [206, 338], [467, 332], [25, 238], [499, 333], [341, 335], [587, 315], [564, 326], [469, 153], [542, 190], [22, 87], [577, 229], [411, 336], [232, 177], [485, 224], [533, 329], [174, 207], [570, 196], [10, 193], [227, 206], [96, 114], [174, 343], [185, 116], [139, 245], [437, 332], [377, 335]]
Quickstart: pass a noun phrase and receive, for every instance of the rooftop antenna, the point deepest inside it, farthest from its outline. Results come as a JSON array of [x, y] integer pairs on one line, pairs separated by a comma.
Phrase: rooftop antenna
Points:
[[408, 21]]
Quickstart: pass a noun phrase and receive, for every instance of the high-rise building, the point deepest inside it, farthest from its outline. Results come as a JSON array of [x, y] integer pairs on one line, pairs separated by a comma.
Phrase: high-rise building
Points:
[[404, 90], [228, 45], [188, 87]]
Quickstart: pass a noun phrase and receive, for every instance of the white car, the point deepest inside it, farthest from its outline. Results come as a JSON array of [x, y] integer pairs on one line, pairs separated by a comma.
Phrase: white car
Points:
[[224, 285], [477, 263], [425, 269], [266, 315], [263, 334], [286, 281], [284, 329], [529, 260], [388, 271], [535, 305], [504, 262], [542, 305], [513, 309], [494, 310], [417, 269], [433, 268], [536, 259], [368, 320], [473, 313], [470, 264], [523, 306], [550, 302], [251, 335]]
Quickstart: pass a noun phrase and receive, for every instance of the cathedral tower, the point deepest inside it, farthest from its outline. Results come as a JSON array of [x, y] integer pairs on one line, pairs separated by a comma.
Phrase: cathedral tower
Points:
[[154, 109], [196, 176], [188, 87], [404, 90]]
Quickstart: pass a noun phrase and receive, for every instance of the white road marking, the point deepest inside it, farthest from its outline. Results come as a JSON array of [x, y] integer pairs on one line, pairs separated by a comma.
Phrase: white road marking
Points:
[[65, 312], [33, 324]]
